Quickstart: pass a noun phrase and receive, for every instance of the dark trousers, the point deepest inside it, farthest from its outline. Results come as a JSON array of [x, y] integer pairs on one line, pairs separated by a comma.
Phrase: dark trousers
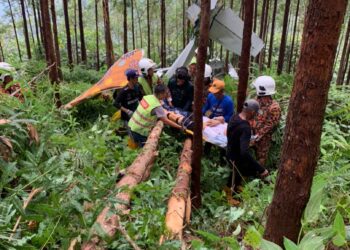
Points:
[[139, 139], [240, 168]]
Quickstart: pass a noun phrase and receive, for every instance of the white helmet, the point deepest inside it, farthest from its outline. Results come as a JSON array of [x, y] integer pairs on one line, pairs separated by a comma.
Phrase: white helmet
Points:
[[145, 64], [208, 71], [264, 85]]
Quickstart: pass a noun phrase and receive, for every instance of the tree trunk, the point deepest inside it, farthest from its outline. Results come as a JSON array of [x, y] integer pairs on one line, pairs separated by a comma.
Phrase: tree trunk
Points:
[[25, 30], [297, 46], [49, 49], [137, 172], [179, 204], [245, 55], [198, 101], [255, 15], [125, 28], [148, 32], [69, 42], [41, 26], [37, 32], [347, 80], [76, 32], [82, 38], [262, 18], [108, 39], [341, 70], [188, 24], [293, 40], [263, 35], [140, 26], [241, 11], [183, 24], [97, 38], [15, 30], [300, 150], [132, 24], [284, 39], [30, 23], [346, 63], [55, 36], [163, 33], [2, 57]]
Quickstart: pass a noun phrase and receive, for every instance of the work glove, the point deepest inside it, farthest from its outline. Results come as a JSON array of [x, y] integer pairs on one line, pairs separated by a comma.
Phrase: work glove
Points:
[[129, 112]]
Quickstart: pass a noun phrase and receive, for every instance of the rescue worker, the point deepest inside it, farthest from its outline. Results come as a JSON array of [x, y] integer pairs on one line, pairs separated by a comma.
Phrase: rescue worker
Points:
[[128, 97], [268, 118], [219, 107], [147, 113], [192, 68], [238, 139], [6, 77], [181, 90], [148, 79]]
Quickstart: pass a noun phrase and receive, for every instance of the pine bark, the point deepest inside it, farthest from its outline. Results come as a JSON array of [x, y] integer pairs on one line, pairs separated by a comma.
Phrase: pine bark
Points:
[[255, 14], [283, 39], [346, 63], [55, 36], [348, 78], [108, 39], [76, 33], [68, 36], [264, 34], [179, 204], [262, 18], [269, 62], [81, 29], [188, 25], [245, 55], [30, 23], [25, 30], [37, 32], [136, 173], [293, 40], [342, 69], [139, 24], [49, 49], [41, 26], [132, 24], [125, 25], [198, 101], [148, 32], [97, 37], [15, 30], [163, 33], [183, 24], [300, 150], [2, 56]]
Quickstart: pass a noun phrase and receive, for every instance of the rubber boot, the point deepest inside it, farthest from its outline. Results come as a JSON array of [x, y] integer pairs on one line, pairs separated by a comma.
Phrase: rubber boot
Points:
[[132, 144], [229, 198]]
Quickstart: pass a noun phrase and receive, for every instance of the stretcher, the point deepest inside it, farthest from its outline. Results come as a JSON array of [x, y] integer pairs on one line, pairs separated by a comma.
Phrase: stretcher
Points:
[[215, 135]]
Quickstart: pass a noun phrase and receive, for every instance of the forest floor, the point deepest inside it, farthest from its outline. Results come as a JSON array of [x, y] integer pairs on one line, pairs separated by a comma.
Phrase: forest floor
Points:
[[77, 161]]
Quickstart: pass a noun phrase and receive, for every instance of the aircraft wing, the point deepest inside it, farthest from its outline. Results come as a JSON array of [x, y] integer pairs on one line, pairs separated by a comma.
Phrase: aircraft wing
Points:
[[227, 29], [114, 78], [183, 59]]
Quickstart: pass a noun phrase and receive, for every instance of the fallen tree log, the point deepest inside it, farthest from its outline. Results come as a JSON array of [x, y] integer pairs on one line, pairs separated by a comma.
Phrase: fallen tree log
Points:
[[137, 172], [179, 204]]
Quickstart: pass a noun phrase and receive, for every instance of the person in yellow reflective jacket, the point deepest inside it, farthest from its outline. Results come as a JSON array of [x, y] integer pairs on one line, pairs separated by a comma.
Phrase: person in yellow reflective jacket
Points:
[[147, 113], [148, 79]]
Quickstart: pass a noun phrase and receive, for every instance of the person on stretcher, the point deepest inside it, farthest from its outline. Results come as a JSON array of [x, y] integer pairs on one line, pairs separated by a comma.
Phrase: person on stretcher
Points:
[[218, 107]]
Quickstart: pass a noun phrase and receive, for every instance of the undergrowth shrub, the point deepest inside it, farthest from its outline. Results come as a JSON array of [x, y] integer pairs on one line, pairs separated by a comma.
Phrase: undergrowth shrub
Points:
[[79, 157]]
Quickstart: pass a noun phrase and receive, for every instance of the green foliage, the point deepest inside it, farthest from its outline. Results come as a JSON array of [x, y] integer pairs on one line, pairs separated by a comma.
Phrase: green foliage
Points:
[[79, 156]]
